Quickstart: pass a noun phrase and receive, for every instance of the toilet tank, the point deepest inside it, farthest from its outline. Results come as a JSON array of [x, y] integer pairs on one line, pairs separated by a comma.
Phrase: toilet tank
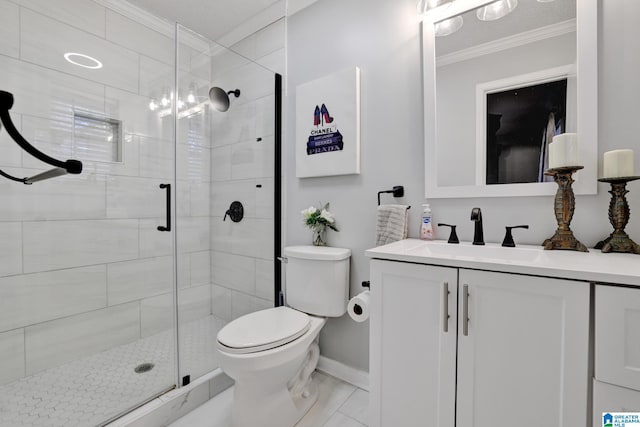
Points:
[[317, 279]]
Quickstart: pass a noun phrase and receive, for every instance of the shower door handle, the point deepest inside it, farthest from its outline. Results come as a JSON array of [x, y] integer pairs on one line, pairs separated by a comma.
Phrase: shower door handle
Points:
[[168, 227]]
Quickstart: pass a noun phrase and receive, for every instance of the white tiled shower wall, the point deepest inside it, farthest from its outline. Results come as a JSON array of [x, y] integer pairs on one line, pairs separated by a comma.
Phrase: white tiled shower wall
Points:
[[243, 159], [82, 266]]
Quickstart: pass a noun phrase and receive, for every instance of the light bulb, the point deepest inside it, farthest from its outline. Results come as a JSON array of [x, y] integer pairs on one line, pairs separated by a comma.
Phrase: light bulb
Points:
[[180, 103], [191, 99], [164, 101], [152, 105]]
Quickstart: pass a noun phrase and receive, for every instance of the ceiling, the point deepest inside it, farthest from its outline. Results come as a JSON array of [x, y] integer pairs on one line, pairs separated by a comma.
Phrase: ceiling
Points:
[[210, 18]]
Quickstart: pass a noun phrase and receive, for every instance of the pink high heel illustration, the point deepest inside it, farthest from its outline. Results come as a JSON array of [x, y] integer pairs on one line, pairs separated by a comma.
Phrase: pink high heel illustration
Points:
[[325, 114]]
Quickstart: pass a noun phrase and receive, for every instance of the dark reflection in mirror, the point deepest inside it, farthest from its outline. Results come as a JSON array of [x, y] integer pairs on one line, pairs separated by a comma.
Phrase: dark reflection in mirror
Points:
[[520, 124]]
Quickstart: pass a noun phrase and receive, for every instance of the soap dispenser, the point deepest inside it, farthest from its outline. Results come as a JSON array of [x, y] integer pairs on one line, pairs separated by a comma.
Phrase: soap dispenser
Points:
[[426, 225]]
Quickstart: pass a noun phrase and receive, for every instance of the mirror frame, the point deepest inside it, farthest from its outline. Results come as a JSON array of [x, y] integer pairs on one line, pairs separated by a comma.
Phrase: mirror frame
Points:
[[587, 108]]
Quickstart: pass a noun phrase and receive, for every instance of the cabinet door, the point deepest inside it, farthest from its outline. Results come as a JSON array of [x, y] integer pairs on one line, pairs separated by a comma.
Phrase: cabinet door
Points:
[[413, 347], [611, 398], [618, 336], [523, 357]]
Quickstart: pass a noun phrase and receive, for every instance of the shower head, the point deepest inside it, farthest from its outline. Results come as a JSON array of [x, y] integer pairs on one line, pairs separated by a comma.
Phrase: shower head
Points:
[[219, 99]]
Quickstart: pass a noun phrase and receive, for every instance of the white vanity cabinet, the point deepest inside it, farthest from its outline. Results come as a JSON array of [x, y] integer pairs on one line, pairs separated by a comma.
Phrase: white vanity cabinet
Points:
[[617, 351], [497, 349], [413, 348], [524, 357], [618, 336]]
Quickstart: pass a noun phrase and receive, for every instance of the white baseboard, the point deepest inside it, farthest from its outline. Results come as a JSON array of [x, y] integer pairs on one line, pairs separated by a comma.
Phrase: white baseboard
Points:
[[345, 373]]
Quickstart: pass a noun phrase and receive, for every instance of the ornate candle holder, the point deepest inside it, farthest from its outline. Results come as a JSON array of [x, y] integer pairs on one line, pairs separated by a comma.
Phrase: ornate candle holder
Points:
[[619, 213], [564, 205]]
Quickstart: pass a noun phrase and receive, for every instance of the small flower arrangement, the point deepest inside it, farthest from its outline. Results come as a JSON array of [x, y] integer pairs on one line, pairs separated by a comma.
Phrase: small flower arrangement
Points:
[[318, 220]]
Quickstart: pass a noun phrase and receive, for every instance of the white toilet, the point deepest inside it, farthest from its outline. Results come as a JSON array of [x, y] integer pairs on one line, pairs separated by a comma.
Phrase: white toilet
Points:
[[271, 353]]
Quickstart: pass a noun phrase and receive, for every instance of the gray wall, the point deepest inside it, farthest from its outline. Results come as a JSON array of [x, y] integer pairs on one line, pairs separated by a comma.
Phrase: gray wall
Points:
[[382, 38]]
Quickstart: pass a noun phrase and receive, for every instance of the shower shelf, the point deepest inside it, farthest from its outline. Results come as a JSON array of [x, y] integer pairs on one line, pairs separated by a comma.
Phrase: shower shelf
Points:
[[60, 167]]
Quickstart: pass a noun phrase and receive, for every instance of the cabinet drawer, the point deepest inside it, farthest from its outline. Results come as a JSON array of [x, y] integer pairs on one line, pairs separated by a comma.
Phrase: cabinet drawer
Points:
[[617, 342], [611, 398]]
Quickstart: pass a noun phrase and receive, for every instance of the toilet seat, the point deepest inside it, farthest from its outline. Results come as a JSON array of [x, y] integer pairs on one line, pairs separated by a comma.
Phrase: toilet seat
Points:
[[263, 330]]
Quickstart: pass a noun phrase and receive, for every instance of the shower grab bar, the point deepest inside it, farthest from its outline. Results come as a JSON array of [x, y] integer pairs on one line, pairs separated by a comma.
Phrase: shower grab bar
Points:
[[168, 227], [68, 166]]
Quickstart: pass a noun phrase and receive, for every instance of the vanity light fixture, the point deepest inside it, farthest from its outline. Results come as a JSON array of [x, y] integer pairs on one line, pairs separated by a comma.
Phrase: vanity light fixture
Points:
[[82, 60], [448, 26], [442, 28], [496, 10], [426, 5]]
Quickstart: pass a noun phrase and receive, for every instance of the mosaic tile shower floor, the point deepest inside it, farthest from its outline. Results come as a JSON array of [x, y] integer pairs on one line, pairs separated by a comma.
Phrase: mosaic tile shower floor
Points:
[[89, 391]]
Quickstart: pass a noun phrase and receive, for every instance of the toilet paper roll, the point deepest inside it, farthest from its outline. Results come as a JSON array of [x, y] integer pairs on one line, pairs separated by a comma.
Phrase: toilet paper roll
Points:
[[358, 307]]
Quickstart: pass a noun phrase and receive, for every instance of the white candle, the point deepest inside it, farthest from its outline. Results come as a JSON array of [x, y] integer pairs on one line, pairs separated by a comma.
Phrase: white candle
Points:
[[563, 151], [618, 163]]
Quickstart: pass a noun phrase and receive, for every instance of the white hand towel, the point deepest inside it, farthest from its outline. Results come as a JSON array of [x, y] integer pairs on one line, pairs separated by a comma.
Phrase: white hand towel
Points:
[[392, 224]]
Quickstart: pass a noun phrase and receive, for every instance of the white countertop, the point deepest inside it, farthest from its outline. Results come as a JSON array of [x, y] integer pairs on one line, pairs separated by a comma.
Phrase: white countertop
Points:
[[593, 266]]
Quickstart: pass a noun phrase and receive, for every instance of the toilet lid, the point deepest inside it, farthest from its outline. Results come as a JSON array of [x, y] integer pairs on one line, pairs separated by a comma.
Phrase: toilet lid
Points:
[[263, 330]]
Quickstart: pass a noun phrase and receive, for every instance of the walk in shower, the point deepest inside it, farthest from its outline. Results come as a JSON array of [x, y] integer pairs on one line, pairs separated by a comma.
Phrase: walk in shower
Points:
[[114, 282]]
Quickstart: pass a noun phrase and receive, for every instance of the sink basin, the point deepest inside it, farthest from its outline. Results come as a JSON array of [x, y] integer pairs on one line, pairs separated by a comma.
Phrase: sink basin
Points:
[[489, 252]]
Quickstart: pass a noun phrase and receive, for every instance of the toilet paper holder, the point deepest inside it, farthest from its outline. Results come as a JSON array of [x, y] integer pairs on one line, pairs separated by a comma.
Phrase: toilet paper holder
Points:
[[366, 284]]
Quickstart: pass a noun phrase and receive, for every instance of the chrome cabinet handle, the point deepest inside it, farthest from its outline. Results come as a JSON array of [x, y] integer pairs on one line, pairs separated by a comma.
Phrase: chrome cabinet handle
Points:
[[168, 226], [445, 307], [465, 310]]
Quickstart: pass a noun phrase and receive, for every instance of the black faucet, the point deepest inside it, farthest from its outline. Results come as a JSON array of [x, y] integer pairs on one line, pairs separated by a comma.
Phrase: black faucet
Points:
[[478, 235]]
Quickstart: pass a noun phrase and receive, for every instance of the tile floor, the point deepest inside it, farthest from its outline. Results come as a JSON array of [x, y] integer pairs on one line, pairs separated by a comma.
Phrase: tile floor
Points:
[[339, 405], [92, 390]]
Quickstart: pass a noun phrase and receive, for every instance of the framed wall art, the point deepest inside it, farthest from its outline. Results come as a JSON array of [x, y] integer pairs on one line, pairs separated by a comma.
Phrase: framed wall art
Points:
[[328, 125]]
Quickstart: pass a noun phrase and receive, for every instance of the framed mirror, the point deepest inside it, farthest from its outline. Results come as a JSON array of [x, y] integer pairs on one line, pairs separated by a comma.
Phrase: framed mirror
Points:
[[496, 92]]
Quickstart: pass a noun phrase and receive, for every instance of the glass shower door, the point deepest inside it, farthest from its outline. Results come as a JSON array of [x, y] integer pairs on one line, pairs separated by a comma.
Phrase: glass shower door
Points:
[[87, 279], [226, 153]]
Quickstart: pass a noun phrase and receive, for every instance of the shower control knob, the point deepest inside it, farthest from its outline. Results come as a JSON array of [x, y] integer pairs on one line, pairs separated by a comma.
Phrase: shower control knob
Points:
[[235, 212]]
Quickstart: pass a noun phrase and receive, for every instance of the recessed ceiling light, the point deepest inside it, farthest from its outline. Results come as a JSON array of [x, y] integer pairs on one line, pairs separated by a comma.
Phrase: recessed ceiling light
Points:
[[82, 60]]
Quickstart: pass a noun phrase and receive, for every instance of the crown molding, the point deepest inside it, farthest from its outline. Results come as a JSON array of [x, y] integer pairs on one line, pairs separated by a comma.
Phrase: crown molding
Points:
[[295, 6], [538, 34], [254, 24], [156, 23], [140, 15]]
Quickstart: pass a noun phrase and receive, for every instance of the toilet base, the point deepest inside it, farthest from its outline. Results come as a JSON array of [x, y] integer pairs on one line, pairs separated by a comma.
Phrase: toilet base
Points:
[[281, 410], [274, 388]]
